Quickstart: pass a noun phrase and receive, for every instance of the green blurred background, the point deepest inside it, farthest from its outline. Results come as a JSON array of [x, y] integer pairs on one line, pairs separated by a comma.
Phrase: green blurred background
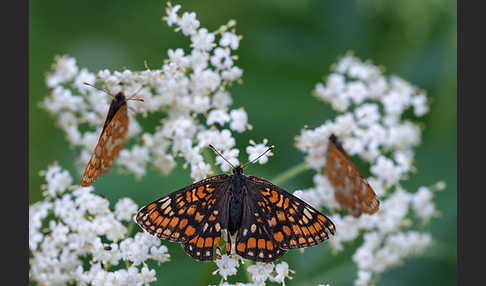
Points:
[[287, 48]]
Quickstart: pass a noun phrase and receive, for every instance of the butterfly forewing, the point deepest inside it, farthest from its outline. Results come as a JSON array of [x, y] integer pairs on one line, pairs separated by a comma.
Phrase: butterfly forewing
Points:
[[352, 191], [192, 216], [291, 222], [110, 143]]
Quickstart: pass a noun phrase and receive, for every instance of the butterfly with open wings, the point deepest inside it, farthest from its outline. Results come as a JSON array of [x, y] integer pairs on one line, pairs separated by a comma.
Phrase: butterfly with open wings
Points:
[[260, 221]]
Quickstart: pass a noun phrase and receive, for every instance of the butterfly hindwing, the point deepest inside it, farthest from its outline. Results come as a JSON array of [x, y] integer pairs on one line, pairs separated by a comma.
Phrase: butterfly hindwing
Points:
[[254, 240], [110, 143], [193, 216], [292, 222], [352, 190]]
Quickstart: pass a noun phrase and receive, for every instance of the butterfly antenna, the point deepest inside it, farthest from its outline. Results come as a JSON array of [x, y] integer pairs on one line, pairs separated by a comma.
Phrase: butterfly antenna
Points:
[[104, 90], [268, 150], [221, 155], [132, 97]]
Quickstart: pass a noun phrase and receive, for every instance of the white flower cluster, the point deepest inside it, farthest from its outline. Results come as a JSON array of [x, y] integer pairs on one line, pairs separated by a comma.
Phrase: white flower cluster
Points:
[[259, 272], [74, 237], [189, 90], [373, 127]]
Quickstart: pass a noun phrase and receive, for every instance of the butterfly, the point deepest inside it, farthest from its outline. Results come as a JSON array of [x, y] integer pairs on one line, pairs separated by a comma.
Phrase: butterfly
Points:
[[112, 138], [258, 220], [352, 191]]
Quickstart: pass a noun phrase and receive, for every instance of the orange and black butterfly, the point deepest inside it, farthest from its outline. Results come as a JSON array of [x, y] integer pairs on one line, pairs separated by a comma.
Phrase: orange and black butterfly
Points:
[[352, 191], [111, 141], [259, 220]]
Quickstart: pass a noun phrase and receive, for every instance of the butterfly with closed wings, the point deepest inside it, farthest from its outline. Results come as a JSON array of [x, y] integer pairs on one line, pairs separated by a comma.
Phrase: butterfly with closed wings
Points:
[[352, 190], [112, 138], [259, 220]]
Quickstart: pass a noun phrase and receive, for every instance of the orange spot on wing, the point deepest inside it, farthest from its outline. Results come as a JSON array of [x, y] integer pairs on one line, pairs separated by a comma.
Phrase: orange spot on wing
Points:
[[199, 217], [174, 222], [183, 223], [272, 222], [200, 242], [251, 242], [191, 210], [269, 245], [158, 220], [154, 215], [208, 242], [296, 229], [200, 192], [305, 230], [312, 229], [151, 206], [190, 230], [286, 230], [274, 197], [278, 236], [261, 243], [165, 222], [266, 192], [241, 247], [280, 215]]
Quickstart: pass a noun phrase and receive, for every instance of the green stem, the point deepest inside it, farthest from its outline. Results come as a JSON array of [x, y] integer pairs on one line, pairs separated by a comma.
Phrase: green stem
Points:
[[245, 268], [290, 173]]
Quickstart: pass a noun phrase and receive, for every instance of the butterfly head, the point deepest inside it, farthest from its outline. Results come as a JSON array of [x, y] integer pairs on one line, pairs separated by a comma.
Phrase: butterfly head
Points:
[[237, 170], [333, 139], [119, 97]]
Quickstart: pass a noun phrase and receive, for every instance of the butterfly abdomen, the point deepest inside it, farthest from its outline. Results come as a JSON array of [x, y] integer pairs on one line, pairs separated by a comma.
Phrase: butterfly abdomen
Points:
[[235, 206]]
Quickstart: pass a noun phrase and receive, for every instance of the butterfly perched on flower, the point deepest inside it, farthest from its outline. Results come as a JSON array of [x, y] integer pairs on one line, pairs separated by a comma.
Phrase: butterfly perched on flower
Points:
[[112, 139], [352, 191], [259, 220]]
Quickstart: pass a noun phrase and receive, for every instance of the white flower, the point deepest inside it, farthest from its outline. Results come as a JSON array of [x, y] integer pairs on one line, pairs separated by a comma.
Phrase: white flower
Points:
[[65, 69], [227, 266], [189, 23], [260, 272], [420, 107], [239, 120], [283, 271], [221, 100], [200, 170], [222, 58], [134, 160], [364, 278], [160, 253], [124, 209], [172, 14], [230, 39], [57, 180], [203, 40], [82, 77], [232, 74], [178, 58], [218, 116], [256, 150]]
